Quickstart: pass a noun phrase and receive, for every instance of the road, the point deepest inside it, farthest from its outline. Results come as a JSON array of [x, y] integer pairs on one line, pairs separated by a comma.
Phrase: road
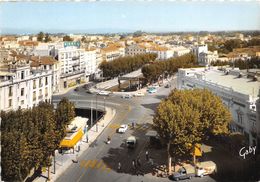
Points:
[[99, 162]]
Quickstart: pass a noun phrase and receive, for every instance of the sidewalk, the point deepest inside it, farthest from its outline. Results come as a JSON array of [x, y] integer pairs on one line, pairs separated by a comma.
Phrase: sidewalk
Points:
[[63, 161]]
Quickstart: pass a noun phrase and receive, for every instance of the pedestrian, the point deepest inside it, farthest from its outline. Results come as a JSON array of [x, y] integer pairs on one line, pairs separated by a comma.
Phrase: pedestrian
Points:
[[133, 164], [119, 166], [87, 138], [147, 155], [138, 162]]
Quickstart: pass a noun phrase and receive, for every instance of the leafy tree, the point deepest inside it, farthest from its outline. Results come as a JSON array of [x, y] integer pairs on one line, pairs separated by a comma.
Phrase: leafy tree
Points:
[[83, 39], [40, 36], [30, 137], [65, 112], [188, 117], [67, 38], [47, 38]]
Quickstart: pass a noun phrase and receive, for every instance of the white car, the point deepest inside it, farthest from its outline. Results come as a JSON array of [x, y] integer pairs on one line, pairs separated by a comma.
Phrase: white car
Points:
[[122, 128], [127, 96], [139, 94], [105, 93]]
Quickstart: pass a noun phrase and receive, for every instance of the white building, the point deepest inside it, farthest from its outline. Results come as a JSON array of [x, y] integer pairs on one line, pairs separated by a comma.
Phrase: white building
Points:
[[91, 61], [163, 53], [135, 49], [112, 52], [258, 123], [205, 59], [180, 51], [238, 93], [24, 87], [72, 66], [197, 50]]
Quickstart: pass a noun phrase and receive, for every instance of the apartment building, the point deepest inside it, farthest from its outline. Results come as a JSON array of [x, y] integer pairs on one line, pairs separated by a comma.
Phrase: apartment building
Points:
[[205, 58], [135, 49], [197, 50], [91, 61], [72, 65], [112, 52], [238, 91], [24, 83], [180, 51]]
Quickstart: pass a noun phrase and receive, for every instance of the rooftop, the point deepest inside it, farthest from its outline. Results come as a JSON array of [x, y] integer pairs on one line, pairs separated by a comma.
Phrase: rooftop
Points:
[[242, 85]]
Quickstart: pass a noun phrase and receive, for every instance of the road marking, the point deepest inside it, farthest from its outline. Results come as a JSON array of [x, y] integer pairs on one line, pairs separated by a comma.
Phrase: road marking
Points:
[[94, 164]]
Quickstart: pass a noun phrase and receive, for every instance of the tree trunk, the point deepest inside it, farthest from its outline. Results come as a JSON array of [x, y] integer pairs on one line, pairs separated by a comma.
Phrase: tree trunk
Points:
[[194, 156], [48, 178], [169, 159]]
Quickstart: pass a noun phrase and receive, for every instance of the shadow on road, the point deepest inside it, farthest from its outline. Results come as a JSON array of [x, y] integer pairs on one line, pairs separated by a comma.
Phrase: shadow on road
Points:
[[126, 155]]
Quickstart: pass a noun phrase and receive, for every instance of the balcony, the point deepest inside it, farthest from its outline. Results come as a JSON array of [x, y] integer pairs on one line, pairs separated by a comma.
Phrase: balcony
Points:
[[40, 97]]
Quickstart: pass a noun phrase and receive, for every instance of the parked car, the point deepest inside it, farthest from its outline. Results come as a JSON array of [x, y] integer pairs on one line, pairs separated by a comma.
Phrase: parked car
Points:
[[186, 172], [201, 169], [139, 94], [76, 89], [205, 168], [104, 93], [122, 128], [127, 96]]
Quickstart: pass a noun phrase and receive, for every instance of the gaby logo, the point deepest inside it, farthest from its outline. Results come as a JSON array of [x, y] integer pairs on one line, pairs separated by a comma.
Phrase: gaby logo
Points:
[[243, 152]]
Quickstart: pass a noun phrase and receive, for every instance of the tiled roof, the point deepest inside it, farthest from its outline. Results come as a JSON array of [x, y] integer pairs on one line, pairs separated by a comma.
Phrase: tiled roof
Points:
[[43, 60]]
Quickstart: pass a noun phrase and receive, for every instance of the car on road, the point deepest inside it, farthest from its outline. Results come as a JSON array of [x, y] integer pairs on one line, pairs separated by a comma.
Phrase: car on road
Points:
[[122, 128], [104, 93], [131, 142], [76, 89], [139, 94], [167, 86], [152, 90], [127, 96]]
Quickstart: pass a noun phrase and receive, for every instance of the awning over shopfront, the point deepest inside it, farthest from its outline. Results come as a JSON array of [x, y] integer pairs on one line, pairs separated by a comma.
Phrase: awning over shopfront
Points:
[[72, 140]]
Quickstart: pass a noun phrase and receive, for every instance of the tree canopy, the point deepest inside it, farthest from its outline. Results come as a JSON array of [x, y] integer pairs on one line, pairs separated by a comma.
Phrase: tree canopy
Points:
[[153, 71], [188, 117], [125, 64], [67, 38], [29, 137]]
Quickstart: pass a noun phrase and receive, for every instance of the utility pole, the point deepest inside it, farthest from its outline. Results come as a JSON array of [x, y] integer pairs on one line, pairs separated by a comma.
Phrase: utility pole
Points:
[[96, 108], [91, 115]]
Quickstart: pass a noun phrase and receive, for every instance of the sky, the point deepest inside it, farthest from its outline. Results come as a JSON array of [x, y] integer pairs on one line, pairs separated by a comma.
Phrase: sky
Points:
[[118, 16]]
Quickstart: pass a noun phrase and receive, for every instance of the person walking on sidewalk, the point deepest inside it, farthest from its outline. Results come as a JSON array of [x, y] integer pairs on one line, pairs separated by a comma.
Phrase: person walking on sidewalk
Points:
[[119, 166], [138, 161], [147, 155]]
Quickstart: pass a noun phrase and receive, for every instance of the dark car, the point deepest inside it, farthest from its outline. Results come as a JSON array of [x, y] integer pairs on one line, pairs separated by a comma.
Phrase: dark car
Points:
[[167, 86]]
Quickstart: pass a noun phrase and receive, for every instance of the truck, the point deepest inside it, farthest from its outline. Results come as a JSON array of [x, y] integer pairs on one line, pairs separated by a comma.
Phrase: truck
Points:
[[200, 169], [131, 142], [185, 172]]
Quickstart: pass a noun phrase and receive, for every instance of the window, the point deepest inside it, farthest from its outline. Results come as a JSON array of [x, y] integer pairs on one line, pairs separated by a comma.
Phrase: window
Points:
[[22, 75], [10, 103], [40, 82], [239, 118], [22, 102], [46, 92], [46, 80], [34, 84], [10, 92], [34, 96], [22, 91]]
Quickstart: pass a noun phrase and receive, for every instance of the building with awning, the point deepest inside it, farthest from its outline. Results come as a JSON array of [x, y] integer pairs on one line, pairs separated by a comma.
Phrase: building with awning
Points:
[[75, 132]]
